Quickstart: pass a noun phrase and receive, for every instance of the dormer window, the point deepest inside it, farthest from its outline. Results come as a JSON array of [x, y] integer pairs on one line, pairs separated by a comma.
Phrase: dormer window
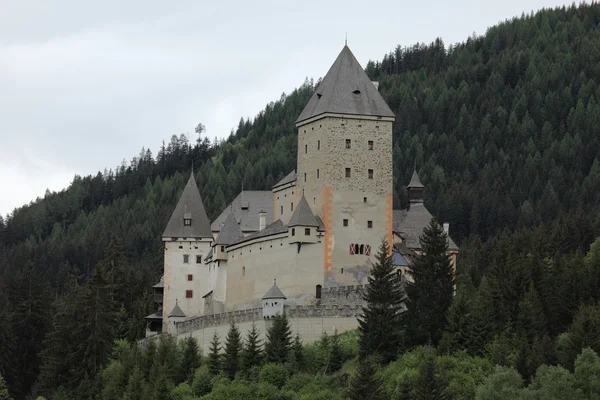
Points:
[[187, 222]]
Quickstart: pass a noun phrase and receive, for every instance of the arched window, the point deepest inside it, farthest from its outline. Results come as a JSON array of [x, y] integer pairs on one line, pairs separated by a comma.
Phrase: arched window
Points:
[[362, 249], [243, 271], [318, 291]]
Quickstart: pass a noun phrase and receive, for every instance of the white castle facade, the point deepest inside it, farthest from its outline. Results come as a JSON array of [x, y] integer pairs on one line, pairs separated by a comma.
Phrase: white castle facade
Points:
[[315, 234]]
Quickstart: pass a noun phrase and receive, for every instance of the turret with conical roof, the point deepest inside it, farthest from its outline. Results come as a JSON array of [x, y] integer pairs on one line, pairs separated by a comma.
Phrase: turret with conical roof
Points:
[[303, 224], [189, 218], [415, 189], [230, 233], [272, 301]]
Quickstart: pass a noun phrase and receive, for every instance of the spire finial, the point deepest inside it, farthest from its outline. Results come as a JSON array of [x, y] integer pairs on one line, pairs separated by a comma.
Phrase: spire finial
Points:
[[346, 40]]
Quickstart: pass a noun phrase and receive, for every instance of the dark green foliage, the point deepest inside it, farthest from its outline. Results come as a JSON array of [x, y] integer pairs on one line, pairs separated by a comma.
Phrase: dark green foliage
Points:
[[252, 352], [430, 295], [428, 385], [233, 348], [202, 383], [4, 390], [365, 384], [279, 340], [137, 387], [298, 352], [190, 360], [214, 357], [336, 358], [379, 322], [584, 332]]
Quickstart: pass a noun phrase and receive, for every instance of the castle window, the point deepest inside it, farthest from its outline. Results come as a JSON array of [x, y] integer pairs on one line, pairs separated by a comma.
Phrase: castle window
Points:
[[307, 231], [305, 177], [222, 248], [186, 258], [362, 249], [305, 148], [369, 224], [347, 172], [317, 173], [198, 259], [345, 222], [187, 222], [342, 270], [281, 210], [318, 292], [190, 277], [319, 142], [348, 143], [243, 271], [181, 247], [293, 231], [364, 199], [370, 174], [370, 145], [291, 206], [189, 294], [314, 200]]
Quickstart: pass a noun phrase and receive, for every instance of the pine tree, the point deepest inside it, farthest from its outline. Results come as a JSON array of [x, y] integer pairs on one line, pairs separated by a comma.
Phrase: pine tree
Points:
[[7, 345], [214, 358], [233, 345], [336, 357], [430, 294], [365, 384], [279, 338], [379, 323], [428, 385], [189, 361], [298, 351], [137, 387], [4, 390], [252, 354]]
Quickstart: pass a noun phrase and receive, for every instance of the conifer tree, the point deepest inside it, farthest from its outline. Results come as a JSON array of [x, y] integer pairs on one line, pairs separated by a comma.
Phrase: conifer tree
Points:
[[137, 387], [365, 384], [428, 385], [233, 345], [7, 345], [4, 390], [379, 322], [335, 353], [298, 351], [190, 360], [252, 353], [430, 294], [279, 339], [214, 357]]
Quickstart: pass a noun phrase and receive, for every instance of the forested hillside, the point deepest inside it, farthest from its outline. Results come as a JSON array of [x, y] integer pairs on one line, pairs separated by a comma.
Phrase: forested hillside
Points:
[[505, 132]]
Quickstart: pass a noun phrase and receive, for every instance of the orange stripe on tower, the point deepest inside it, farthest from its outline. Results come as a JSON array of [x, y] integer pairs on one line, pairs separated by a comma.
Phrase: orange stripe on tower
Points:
[[327, 210], [390, 221]]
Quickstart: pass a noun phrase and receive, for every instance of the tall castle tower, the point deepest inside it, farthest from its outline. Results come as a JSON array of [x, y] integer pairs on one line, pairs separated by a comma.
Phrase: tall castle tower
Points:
[[187, 239], [345, 167]]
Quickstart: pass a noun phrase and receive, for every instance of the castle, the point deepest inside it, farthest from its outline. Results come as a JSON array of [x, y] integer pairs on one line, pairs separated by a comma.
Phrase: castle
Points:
[[309, 242]]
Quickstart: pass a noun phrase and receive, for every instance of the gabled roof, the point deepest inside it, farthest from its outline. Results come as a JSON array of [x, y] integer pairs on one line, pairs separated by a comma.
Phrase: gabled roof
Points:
[[190, 206], [303, 215], [415, 181], [176, 311], [409, 224], [160, 284], [289, 178], [247, 216], [274, 293], [230, 231], [275, 228], [346, 89]]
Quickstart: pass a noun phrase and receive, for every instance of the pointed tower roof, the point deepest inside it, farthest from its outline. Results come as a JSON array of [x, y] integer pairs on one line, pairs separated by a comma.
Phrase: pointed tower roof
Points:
[[274, 293], [346, 89], [230, 231], [415, 181], [303, 215], [176, 311], [189, 206]]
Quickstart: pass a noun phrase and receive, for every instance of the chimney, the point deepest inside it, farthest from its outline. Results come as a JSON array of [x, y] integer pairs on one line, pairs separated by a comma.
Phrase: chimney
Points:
[[262, 220], [447, 228]]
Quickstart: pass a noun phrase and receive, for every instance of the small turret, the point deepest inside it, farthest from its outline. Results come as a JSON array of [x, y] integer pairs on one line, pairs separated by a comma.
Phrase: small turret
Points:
[[272, 301], [176, 315], [230, 232], [415, 189], [303, 224]]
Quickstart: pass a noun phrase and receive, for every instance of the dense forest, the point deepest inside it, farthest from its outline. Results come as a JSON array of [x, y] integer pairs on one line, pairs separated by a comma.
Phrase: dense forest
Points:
[[505, 131]]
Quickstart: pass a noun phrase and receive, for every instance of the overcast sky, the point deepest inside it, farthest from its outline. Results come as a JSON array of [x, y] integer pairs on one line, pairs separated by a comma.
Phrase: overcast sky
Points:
[[85, 84]]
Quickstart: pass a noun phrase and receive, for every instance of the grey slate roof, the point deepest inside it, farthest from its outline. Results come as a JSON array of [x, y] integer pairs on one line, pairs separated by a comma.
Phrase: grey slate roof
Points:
[[409, 224], [321, 227], [190, 204], [230, 231], [156, 315], [398, 259], [176, 311], [289, 178], [160, 284], [274, 293], [303, 215], [415, 181], [275, 228], [346, 89], [256, 200]]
